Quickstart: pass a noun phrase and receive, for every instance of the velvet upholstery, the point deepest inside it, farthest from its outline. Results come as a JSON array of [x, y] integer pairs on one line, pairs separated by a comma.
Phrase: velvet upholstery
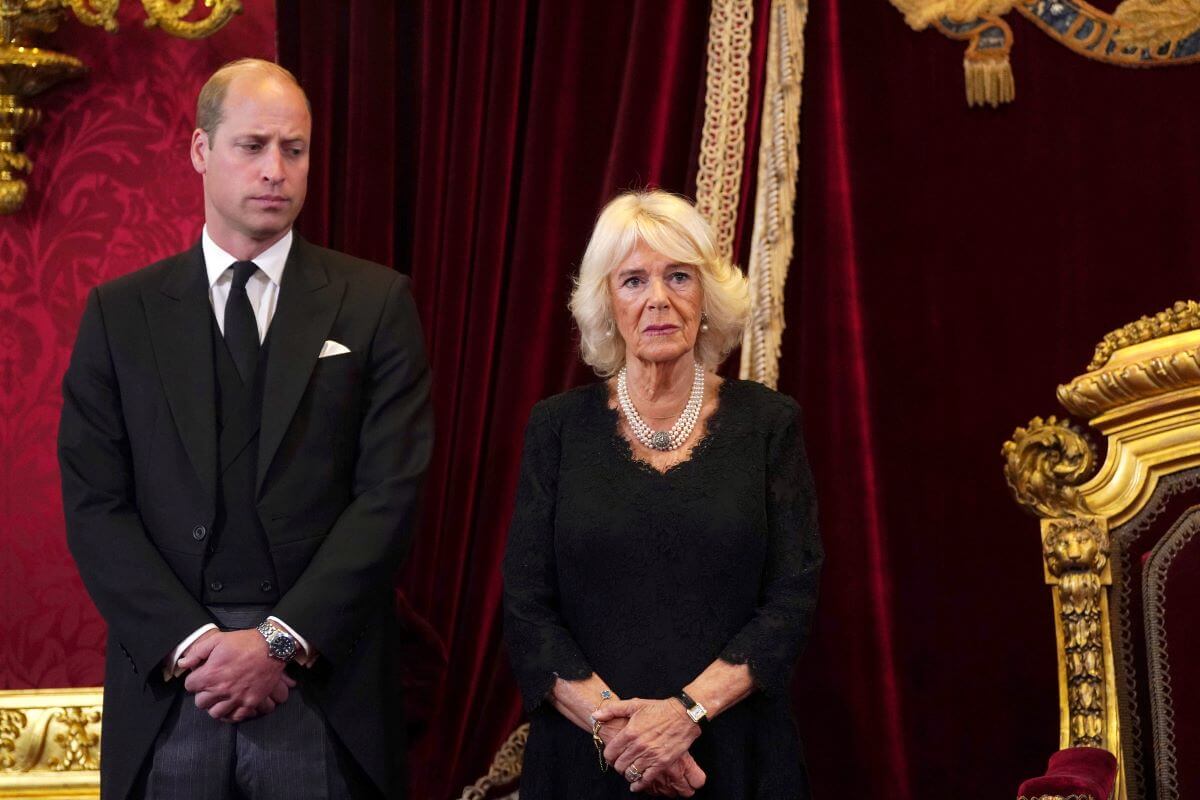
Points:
[[1087, 771]]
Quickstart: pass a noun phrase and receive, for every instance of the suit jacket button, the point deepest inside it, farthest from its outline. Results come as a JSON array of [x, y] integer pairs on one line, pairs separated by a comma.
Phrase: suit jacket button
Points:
[[266, 586], [216, 586], [199, 532]]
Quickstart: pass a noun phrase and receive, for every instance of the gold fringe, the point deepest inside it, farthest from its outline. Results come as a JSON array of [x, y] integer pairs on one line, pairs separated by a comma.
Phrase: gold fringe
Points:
[[775, 194], [989, 81]]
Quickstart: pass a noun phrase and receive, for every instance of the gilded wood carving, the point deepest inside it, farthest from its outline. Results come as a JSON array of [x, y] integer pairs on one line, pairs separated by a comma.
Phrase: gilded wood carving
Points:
[[50, 743], [1076, 555], [1045, 462], [1141, 398]]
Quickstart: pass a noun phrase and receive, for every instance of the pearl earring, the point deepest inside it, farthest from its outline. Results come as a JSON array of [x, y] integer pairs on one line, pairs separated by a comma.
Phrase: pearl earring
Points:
[[704, 323]]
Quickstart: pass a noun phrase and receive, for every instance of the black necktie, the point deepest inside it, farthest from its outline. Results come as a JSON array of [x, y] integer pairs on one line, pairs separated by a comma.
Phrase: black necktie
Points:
[[241, 329]]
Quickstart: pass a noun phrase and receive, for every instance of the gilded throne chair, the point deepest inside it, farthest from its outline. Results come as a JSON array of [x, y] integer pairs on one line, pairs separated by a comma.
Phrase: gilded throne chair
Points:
[[1119, 509]]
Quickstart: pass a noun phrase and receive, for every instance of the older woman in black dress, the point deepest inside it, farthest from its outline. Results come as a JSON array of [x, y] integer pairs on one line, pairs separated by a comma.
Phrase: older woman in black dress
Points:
[[662, 564]]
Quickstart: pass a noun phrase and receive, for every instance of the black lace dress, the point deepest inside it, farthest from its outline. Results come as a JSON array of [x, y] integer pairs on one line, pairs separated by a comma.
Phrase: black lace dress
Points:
[[646, 577]]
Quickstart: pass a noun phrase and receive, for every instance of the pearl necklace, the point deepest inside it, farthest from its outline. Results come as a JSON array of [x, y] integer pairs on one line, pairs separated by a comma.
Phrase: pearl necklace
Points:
[[680, 431]]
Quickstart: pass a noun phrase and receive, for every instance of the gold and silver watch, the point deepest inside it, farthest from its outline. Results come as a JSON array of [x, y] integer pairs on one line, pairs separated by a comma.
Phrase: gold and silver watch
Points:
[[697, 712]]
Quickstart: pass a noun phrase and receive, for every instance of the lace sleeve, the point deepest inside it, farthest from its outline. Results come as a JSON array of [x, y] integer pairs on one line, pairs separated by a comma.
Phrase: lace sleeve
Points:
[[539, 644], [771, 641]]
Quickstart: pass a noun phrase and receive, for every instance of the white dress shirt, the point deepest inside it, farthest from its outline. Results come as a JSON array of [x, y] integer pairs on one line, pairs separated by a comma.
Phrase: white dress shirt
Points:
[[263, 291]]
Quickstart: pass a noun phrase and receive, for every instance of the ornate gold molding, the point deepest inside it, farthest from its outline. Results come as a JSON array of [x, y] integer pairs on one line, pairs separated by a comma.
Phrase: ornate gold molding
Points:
[[1154, 356], [27, 70], [50, 743], [1045, 463], [1183, 316]]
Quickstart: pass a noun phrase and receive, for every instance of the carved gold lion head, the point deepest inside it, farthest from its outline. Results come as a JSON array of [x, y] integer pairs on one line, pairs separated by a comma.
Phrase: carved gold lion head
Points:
[[1075, 545]]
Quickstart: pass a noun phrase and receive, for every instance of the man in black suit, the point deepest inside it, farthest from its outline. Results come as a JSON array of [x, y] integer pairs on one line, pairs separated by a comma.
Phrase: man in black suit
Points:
[[244, 430]]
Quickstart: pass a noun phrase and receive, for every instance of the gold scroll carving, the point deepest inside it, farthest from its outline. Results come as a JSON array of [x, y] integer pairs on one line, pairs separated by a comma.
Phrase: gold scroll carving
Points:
[[50, 743], [1044, 464]]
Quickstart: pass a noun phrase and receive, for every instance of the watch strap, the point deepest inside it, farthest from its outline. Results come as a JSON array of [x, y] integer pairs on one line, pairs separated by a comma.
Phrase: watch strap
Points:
[[697, 712]]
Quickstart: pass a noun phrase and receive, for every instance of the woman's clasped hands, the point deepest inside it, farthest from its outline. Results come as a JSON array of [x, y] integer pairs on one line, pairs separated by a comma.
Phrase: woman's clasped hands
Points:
[[651, 750]]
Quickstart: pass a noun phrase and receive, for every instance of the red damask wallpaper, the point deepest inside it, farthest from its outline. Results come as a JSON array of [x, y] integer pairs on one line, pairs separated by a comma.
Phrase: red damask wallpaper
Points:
[[112, 190]]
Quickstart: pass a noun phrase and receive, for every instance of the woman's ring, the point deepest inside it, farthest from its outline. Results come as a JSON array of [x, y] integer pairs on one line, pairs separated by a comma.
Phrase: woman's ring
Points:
[[633, 774]]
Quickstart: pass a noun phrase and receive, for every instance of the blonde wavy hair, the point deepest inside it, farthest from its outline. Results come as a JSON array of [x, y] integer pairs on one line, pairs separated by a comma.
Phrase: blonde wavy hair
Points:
[[670, 225]]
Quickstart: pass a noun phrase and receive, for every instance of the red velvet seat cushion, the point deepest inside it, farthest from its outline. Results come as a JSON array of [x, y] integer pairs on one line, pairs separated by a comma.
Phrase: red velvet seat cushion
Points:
[[1076, 770]]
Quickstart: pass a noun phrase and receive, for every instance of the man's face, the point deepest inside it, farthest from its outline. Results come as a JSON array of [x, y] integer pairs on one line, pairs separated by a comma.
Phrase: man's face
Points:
[[255, 165]]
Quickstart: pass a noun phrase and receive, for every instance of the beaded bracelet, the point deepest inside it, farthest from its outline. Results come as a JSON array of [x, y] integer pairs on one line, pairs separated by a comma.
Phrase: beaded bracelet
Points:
[[605, 696]]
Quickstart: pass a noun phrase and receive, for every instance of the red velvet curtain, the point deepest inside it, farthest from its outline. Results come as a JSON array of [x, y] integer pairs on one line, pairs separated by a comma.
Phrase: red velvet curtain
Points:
[[471, 144], [954, 266]]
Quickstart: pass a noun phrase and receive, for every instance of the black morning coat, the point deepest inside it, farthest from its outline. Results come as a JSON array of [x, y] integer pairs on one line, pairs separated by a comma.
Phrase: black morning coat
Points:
[[344, 442]]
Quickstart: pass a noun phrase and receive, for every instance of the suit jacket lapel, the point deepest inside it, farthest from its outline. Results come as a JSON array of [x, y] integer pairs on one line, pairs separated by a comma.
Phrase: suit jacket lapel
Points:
[[179, 315], [309, 299]]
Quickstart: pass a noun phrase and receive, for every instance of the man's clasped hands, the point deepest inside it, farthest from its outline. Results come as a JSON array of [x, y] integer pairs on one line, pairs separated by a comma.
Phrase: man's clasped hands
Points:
[[232, 676]]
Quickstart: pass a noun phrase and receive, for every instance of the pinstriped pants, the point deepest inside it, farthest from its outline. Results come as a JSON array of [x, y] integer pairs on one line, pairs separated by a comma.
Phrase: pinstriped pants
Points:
[[289, 753]]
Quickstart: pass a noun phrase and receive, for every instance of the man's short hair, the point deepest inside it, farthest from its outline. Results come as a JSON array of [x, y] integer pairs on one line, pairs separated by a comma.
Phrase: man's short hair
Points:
[[210, 105]]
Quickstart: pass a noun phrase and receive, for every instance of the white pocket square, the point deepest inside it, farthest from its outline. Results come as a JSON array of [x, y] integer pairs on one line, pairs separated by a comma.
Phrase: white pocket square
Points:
[[332, 348]]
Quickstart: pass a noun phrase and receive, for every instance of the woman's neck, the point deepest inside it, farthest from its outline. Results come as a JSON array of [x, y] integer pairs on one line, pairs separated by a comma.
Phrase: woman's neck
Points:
[[660, 389]]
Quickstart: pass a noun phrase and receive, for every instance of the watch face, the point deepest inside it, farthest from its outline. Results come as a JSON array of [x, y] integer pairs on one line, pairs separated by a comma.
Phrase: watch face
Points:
[[282, 646]]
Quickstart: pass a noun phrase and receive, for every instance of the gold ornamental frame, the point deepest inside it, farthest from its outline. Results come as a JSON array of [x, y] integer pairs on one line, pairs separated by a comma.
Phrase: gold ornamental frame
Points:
[[1141, 396], [50, 743]]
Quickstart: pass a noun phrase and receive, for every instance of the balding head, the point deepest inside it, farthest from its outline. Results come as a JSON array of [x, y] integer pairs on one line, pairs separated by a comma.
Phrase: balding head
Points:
[[210, 106]]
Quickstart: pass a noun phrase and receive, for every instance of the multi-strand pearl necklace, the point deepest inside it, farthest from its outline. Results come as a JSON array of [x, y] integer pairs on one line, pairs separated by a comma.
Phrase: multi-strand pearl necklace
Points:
[[680, 431]]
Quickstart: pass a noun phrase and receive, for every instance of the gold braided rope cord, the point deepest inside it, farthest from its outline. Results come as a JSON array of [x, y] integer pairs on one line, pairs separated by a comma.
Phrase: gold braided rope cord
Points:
[[773, 239], [505, 768], [723, 140]]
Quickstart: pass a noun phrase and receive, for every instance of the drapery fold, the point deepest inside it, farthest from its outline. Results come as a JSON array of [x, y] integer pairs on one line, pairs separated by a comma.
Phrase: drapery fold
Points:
[[827, 369]]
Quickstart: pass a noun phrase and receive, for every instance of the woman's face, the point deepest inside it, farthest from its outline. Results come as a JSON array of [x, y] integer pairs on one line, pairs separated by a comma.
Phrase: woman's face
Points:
[[656, 305]]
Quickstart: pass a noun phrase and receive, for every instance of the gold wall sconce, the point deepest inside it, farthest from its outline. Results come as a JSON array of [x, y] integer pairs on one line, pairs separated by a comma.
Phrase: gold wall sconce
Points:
[[27, 70]]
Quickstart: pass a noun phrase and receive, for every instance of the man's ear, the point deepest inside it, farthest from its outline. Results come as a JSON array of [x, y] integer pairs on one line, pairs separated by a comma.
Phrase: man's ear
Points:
[[199, 150]]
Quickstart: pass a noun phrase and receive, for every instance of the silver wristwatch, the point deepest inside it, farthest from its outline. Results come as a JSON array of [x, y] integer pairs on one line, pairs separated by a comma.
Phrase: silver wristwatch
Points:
[[280, 644]]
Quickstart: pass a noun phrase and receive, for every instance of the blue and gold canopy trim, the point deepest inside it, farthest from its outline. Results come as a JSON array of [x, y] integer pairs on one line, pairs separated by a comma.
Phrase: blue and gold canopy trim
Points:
[[1138, 33]]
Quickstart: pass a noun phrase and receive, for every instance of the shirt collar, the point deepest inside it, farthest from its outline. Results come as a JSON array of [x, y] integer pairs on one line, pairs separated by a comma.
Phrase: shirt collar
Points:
[[271, 261]]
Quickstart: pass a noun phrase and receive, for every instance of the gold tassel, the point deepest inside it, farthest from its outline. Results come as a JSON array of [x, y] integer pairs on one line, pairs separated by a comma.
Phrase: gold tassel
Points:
[[989, 79]]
